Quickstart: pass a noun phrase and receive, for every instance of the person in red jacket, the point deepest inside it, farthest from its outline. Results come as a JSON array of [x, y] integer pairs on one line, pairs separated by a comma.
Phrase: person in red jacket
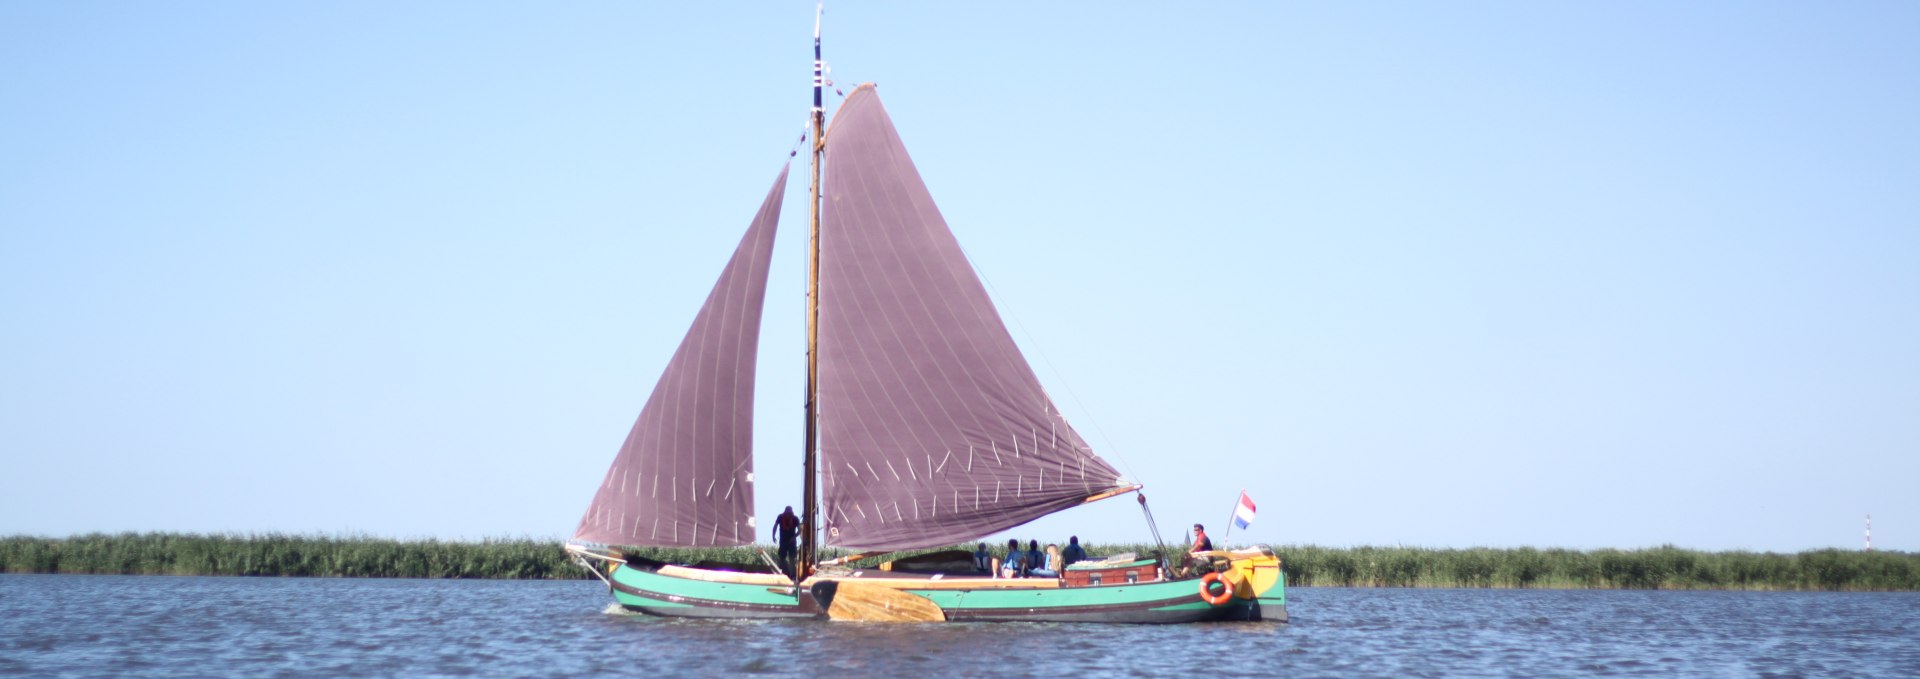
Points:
[[1200, 541], [1196, 561], [786, 528]]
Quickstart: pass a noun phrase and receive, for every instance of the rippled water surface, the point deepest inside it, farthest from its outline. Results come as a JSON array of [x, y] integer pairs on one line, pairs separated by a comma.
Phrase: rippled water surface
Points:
[[165, 626]]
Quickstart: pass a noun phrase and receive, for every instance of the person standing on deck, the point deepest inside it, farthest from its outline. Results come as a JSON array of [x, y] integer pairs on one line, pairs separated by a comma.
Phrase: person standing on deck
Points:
[[786, 529]]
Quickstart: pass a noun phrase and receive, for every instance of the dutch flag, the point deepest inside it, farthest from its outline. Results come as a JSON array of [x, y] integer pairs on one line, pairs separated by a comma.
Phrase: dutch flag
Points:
[[1243, 513]]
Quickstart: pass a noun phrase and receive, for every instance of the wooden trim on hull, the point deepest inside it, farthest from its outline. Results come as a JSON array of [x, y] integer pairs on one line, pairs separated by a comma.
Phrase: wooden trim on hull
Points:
[[921, 581], [1121, 614], [1237, 610], [676, 606], [1142, 603], [701, 612], [714, 595], [1184, 609]]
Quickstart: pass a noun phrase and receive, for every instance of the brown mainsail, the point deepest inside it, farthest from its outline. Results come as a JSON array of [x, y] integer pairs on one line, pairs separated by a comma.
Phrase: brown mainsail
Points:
[[933, 428], [685, 474]]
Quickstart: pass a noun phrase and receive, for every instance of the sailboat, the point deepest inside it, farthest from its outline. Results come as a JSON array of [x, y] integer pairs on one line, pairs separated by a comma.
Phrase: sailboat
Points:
[[924, 427]]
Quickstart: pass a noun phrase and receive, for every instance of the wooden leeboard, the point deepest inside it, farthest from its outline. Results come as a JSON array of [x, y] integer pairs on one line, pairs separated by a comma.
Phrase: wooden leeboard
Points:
[[859, 601], [981, 582]]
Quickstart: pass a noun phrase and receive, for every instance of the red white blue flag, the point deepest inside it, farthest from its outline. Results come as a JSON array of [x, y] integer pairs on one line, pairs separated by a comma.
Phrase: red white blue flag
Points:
[[1243, 513]]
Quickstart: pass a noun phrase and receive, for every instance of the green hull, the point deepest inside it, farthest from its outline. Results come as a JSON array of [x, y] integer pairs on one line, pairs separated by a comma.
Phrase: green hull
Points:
[[1159, 602], [639, 588]]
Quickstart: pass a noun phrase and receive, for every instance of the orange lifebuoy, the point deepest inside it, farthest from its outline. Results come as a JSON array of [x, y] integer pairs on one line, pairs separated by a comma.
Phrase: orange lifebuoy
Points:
[[1206, 583]]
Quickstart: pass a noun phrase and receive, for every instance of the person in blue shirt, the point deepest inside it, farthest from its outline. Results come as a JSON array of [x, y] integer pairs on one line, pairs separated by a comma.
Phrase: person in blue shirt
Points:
[[1036, 559], [983, 559], [1073, 554], [1049, 563], [1015, 564]]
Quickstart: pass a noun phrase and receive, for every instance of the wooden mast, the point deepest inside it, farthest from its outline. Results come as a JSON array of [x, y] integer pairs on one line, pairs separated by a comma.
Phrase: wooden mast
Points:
[[809, 522]]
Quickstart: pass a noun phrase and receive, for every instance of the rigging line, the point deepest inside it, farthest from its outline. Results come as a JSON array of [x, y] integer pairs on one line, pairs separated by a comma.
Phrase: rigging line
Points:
[[1058, 376], [805, 131]]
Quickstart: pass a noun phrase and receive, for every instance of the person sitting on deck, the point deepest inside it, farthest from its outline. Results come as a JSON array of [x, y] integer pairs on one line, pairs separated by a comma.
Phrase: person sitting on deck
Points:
[[1200, 541], [1036, 559], [1050, 568], [983, 559], [1197, 560], [1074, 553], [1015, 562]]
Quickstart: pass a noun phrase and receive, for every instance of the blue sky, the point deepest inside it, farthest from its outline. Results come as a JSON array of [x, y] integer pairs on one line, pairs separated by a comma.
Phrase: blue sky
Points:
[[1585, 275]]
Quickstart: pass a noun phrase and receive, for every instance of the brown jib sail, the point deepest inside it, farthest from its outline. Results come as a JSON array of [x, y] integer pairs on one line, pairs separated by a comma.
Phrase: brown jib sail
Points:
[[933, 428], [685, 474]]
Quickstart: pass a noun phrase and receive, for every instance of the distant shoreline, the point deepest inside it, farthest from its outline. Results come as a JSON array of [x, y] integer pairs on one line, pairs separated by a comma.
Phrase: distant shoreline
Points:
[[276, 555]]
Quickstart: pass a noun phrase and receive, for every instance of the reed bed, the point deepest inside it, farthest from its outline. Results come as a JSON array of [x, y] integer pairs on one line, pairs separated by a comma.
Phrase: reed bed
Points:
[[1665, 567], [286, 555]]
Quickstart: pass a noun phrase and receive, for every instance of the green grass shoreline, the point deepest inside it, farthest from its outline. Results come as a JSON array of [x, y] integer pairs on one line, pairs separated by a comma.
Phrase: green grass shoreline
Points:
[[281, 555]]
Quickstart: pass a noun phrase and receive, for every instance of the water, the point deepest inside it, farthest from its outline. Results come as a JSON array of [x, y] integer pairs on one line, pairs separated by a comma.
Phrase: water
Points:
[[54, 625]]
